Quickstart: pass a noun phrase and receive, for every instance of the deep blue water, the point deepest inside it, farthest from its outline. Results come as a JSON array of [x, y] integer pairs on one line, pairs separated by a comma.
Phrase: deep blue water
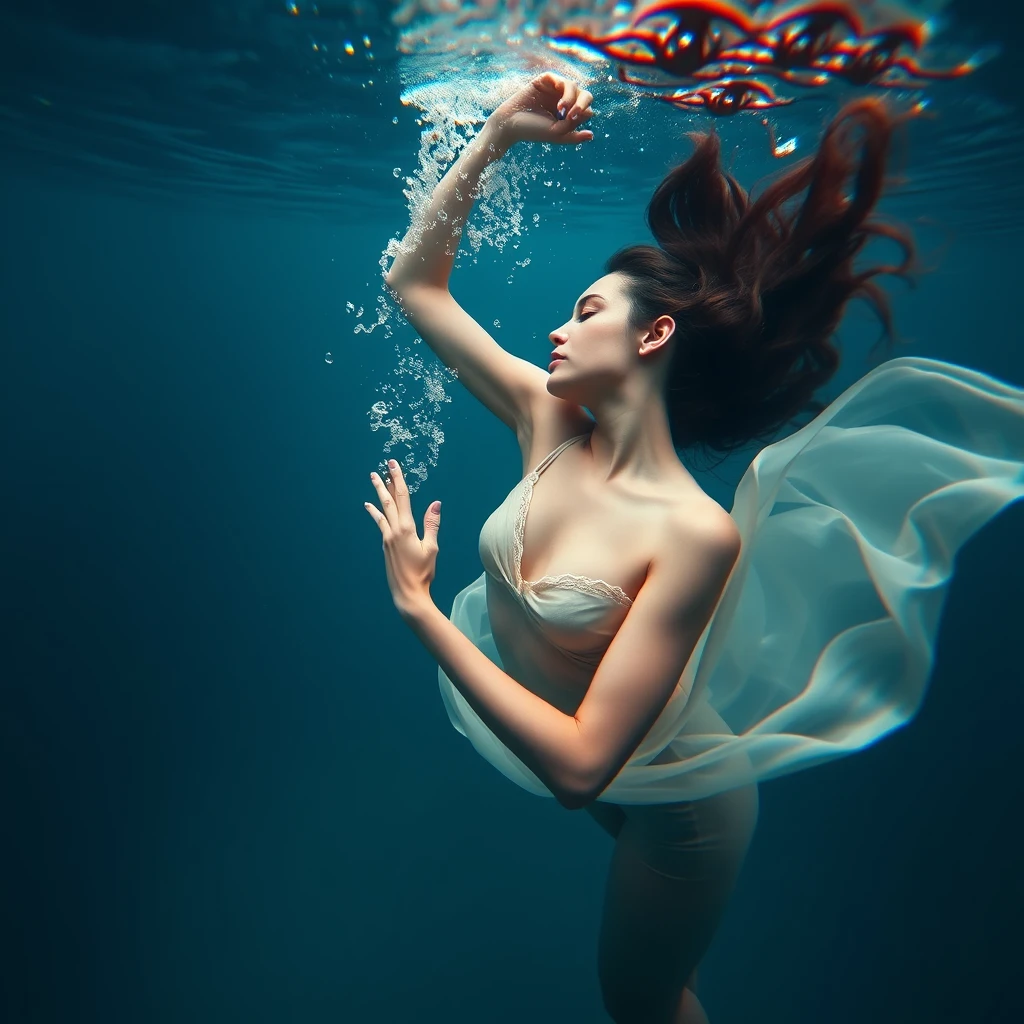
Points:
[[230, 789]]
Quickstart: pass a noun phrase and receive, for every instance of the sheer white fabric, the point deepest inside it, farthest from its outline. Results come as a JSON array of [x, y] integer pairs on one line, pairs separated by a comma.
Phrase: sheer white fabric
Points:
[[823, 639]]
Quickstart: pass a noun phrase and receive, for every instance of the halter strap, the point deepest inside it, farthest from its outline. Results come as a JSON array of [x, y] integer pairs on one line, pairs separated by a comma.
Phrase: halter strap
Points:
[[554, 455]]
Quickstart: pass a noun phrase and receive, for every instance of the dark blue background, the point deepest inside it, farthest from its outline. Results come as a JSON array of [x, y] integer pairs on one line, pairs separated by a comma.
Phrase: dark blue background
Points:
[[229, 787]]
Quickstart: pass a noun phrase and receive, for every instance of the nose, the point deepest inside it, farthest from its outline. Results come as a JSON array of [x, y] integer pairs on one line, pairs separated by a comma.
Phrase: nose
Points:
[[558, 336]]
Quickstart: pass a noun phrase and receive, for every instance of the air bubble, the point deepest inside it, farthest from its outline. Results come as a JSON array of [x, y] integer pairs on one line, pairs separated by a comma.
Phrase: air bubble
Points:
[[328, 359], [396, 171]]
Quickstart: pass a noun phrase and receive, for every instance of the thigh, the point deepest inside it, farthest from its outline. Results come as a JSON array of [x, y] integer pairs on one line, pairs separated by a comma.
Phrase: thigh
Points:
[[671, 874]]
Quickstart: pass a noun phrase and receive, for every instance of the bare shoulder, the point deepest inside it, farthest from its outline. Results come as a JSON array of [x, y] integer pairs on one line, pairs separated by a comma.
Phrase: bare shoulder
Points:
[[703, 519], [699, 520], [699, 544]]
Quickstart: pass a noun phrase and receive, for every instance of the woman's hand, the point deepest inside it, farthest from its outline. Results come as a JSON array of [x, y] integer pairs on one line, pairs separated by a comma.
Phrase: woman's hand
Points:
[[548, 109], [408, 560]]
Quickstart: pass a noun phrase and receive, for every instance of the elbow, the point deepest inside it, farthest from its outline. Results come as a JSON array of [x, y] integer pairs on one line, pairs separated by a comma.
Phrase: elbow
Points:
[[397, 278], [585, 786], [571, 801], [577, 799], [584, 775], [407, 289]]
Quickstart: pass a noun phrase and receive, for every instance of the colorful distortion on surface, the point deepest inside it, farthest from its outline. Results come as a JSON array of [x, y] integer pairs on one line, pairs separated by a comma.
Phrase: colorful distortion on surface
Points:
[[723, 45]]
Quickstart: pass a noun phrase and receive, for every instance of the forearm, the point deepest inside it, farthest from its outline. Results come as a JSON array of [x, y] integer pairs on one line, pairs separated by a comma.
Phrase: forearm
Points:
[[427, 253], [547, 741]]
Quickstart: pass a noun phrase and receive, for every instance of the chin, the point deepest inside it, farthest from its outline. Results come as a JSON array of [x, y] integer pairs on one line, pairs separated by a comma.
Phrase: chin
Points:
[[557, 388], [556, 383], [565, 391]]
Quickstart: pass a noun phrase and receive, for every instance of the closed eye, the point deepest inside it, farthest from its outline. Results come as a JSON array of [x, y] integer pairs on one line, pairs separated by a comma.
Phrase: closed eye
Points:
[[589, 312]]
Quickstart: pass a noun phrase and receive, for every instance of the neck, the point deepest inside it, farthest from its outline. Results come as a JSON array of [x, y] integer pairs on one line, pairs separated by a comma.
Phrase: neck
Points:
[[632, 440]]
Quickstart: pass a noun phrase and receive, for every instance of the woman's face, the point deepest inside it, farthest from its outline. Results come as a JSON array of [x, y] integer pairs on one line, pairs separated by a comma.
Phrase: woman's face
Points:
[[596, 344]]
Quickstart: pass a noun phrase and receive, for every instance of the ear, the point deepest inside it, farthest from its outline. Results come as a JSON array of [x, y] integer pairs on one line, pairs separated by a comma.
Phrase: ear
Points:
[[659, 334]]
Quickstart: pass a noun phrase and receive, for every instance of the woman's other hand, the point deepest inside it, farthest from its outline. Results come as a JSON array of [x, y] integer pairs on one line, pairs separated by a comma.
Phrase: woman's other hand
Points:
[[547, 109], [408, 561]]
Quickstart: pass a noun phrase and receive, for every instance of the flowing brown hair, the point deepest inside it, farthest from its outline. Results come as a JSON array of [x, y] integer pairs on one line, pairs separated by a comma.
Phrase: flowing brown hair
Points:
[[758, 286]]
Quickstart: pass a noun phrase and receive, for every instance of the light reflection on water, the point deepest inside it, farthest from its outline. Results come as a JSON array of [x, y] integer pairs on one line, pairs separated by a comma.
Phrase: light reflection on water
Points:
[[300, 105]]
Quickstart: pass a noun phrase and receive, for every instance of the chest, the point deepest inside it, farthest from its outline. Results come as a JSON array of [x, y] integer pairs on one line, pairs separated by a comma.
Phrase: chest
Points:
[[568, 527]]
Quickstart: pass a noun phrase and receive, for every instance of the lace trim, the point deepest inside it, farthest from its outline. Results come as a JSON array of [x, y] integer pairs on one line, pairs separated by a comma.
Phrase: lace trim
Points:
[[583, 584], [586, 585], [520, 526]]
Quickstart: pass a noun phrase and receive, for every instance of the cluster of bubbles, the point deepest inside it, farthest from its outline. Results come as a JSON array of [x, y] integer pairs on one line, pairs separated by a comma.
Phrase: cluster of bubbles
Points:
[[423, 414], [409, 411]]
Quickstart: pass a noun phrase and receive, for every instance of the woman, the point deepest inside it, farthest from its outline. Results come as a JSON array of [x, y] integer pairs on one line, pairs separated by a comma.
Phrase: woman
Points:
[[631, 648]]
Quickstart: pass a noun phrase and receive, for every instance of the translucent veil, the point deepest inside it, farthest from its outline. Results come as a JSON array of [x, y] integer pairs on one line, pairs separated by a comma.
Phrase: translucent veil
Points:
[[823, 639]]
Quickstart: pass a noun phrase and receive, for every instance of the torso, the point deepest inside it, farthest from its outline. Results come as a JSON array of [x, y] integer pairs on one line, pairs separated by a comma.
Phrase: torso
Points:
[[581, 525]]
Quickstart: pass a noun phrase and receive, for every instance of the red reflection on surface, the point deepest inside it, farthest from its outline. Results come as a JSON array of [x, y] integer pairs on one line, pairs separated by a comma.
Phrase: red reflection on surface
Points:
[[697, 31], [804, 44], [728, 96], [831, 39]]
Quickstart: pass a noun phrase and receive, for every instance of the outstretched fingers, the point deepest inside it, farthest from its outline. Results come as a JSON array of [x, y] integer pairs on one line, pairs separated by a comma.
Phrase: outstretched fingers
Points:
[[394, 497]]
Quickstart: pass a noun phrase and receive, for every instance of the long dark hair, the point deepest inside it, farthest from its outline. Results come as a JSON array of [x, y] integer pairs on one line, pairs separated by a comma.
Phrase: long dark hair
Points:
[[758, 287]]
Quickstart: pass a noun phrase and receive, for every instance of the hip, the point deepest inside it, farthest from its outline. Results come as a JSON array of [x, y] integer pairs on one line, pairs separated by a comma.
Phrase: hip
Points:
[[699, 839]]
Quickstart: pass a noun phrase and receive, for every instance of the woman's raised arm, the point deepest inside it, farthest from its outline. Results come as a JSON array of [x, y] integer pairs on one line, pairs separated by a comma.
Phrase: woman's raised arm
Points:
[[547, 109], [508, 386]]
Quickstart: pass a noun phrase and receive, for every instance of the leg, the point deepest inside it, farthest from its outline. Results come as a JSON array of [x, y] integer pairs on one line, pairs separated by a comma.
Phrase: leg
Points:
[[671, 874], [611, 819]]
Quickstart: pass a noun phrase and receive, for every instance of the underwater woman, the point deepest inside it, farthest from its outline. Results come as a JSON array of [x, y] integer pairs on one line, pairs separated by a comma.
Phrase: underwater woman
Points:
[[631, 648]]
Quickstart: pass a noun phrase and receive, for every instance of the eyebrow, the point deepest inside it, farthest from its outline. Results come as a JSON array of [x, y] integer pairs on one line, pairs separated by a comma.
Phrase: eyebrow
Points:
[[589, 295]]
